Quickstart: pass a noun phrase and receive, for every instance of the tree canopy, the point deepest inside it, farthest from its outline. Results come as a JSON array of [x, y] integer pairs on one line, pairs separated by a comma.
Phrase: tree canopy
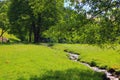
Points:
[[33, 17], [77, 21], [4, 21]]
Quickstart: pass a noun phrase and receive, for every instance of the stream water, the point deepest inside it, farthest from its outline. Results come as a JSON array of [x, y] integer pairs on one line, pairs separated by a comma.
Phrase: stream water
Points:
[[109, 75]]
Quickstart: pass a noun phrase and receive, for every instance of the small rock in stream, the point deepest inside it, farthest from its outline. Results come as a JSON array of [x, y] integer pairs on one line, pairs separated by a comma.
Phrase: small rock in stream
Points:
[[73, 56], [105, 77], [111, 70]]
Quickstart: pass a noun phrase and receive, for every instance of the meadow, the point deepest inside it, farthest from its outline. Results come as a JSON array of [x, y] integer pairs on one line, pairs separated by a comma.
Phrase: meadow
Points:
[[37, 62], [35, 37], [106, 56]]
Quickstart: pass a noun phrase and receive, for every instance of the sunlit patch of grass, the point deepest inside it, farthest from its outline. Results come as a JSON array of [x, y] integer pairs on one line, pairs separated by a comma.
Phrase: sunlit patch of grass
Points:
[[36, 62], [11, 37], [107, 57]]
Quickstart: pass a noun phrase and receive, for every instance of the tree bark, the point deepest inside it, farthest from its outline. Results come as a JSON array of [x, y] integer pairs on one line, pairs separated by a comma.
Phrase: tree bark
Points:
[[36, 31], [30, 34], [2, 33]]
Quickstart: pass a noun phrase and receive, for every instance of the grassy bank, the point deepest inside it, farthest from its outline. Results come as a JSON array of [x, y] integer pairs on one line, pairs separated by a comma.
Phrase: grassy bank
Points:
[[36, 62], [107, 57]]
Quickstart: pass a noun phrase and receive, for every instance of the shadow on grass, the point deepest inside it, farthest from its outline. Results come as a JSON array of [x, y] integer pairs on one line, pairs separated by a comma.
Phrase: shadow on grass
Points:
[[70, 74], [27, 43]]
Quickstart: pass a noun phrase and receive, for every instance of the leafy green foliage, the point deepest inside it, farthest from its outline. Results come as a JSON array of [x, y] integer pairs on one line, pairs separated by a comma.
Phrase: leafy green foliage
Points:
[[31, 18], [19, 16], [4, 21], [48, 21], [68, 29], [104, 15]]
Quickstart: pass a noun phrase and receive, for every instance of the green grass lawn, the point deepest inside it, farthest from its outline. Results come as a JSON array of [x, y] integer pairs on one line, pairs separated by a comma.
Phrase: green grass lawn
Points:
[[36, 62], [103, 57]]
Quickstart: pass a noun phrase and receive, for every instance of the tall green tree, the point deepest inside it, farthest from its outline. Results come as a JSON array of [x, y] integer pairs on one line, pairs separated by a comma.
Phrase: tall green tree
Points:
[[33, 17], [20, 19], [4, 21], [69, 28], [108, 13], [105, 13], [88, 21]]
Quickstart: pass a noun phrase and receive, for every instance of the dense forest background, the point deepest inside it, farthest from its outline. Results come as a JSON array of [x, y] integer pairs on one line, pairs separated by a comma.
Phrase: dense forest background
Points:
[[63, 21]]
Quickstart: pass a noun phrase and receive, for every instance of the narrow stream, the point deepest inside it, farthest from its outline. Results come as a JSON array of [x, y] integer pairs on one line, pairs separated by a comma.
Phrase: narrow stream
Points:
[[109, 76]]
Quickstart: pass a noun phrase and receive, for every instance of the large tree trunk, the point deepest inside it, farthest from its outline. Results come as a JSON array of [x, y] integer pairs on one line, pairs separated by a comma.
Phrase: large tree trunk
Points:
[[1, 35], [30, 33], [2, 32], [36, 35], [1, 39], [36, 31]]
